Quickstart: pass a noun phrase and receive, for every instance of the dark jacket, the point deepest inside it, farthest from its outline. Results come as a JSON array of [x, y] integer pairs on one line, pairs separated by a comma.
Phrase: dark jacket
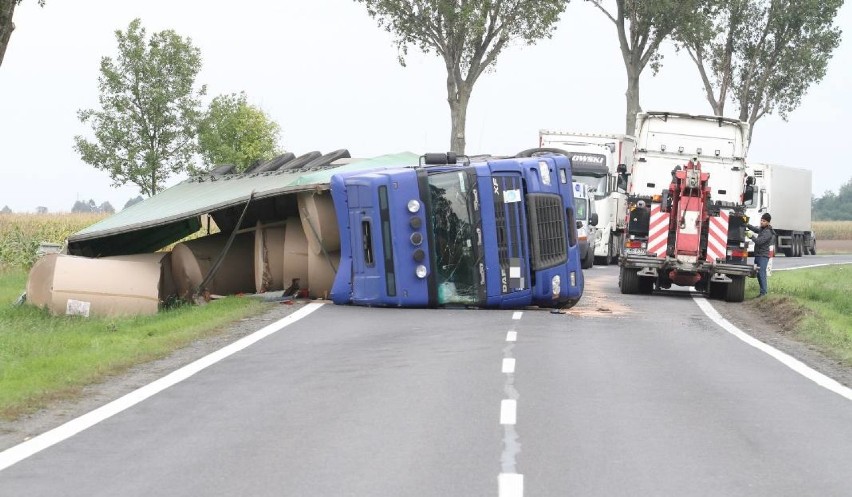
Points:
[[763, 238]]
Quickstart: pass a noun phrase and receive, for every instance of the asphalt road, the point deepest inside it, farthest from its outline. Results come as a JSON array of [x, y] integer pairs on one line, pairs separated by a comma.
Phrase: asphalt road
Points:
[[626, 395]]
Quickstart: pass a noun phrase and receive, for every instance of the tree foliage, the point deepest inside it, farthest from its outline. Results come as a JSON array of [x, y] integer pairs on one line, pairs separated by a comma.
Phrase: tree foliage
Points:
[[234, 132], [7, 10], [762, 54], [5, 210], [145, 129], [834, 206], [133, 201], [641, 26], [467, 34]]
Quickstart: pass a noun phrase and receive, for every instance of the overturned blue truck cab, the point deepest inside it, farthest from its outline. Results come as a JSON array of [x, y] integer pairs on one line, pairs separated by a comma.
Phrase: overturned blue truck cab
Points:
[[488, 232]]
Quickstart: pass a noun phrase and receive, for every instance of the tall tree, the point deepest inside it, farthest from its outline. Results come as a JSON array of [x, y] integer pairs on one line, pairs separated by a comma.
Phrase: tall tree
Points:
[[642, 25], [146, 127], [763, 54], [467, 34], [7, 9], [234, 132]]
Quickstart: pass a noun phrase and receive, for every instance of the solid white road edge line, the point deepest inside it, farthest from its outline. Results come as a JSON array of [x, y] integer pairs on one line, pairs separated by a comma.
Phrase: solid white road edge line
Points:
[[510, 485], [26, 449], [508, 411], [508, 365], [812, 265], [794, 364], [511, 336]]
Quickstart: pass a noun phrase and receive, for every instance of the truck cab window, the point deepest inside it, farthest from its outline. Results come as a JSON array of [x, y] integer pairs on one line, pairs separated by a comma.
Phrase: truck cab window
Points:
[[456, 261]]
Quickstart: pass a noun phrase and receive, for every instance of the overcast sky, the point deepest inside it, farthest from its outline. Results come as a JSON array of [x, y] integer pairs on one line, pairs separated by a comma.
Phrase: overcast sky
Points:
[[329, 76]]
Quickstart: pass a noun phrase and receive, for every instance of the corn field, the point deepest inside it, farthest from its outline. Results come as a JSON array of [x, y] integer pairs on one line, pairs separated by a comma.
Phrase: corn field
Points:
[[21, 234], [833, 230]]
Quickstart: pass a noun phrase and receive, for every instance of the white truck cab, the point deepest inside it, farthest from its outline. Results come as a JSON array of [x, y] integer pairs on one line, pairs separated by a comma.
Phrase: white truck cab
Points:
[[587, 223], [595, 159]]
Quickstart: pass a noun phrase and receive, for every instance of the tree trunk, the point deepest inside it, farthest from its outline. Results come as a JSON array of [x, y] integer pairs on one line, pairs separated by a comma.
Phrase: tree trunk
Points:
[[458, 98], [633, 106], [7, 8]]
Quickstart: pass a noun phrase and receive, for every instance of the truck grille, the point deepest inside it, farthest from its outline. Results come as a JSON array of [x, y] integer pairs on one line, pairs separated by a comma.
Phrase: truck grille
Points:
[[547, 230]]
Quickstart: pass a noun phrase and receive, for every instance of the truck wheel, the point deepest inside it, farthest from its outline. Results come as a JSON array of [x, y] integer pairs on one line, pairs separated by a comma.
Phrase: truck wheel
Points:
[[628, 280], [718, 291], [736, 289], [589, 260], [646, 286], [607, 259]]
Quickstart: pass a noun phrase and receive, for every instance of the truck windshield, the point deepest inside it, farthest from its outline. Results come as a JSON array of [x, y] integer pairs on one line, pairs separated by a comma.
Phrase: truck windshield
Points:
[[599, 183], [456, 262]]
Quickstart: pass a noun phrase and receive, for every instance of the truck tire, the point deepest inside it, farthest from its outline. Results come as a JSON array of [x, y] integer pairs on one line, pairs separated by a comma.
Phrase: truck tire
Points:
[[646, 285], [628, 280], [589, 260], [607, 259], [717, 291], [736, 289]]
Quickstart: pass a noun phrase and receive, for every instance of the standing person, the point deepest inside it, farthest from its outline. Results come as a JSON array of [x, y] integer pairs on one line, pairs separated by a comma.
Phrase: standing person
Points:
[[764, 237]]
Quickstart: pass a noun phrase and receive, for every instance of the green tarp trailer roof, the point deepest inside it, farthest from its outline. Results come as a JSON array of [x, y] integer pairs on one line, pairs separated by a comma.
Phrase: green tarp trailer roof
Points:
[[175, 212]]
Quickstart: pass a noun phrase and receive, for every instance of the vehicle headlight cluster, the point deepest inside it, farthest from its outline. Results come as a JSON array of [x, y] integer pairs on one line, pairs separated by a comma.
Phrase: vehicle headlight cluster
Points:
[[416, 238], [556, 285]]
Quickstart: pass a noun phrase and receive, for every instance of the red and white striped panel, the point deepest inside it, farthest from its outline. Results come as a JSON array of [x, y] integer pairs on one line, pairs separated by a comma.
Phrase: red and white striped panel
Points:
[[658, 232], [717, 239]]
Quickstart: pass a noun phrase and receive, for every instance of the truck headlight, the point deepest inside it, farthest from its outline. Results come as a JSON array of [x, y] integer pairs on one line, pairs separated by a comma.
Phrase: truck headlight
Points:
[[556, 285], [420, 271], [413, 206], [573, 279]]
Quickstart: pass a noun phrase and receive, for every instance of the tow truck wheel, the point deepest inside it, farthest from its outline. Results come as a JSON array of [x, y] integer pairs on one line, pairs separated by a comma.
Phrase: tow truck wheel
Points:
[[736, 289], [628, 281], [607, 259], [589, 260], [646, 286], [718, 290]]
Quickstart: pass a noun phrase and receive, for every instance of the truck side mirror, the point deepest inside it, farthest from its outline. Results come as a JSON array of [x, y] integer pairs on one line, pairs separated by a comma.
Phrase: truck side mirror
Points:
[[594, 219], [748, 195], [622, 182]]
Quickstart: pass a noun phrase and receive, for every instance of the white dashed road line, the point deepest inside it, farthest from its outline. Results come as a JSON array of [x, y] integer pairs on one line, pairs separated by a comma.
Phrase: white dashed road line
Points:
[[509, 482], [508, 365], [508, 411], [511, 485]]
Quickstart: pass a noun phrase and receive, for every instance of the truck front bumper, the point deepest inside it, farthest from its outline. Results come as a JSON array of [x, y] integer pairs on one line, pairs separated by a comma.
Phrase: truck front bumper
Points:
[[650, 266]]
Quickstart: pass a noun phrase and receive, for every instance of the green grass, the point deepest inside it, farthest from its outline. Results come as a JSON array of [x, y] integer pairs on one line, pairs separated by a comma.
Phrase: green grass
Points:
[[817, 305], [45, 358]]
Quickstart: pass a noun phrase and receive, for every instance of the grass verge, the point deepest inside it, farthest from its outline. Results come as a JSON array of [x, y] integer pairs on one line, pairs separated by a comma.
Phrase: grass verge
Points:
[[812, 305], [44, 358]]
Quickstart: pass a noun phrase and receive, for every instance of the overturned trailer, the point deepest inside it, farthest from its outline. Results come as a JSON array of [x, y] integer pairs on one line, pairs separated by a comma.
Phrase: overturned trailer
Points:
[[396, 230]]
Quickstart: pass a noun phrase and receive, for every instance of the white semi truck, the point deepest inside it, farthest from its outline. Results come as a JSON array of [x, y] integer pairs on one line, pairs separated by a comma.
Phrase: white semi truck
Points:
[[595, 159], [785, 193]]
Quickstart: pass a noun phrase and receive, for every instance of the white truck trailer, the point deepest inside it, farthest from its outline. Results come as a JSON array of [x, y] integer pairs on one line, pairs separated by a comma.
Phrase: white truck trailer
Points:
[[785, 193], [594, 161]]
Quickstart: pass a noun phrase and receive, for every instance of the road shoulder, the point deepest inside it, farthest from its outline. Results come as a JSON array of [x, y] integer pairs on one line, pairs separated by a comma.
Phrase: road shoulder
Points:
[[773, 326]]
